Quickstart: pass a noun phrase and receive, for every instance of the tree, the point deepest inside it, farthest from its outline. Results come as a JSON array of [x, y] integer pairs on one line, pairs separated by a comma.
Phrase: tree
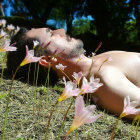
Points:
[[67, 10], [135, 7]]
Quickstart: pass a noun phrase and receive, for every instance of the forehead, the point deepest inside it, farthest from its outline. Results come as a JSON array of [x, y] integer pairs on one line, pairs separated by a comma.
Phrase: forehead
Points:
[[36, 31], [39, 33]]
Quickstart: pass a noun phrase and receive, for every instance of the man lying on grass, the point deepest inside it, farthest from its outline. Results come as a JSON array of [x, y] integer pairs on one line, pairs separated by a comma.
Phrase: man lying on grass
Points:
[[120, 76]]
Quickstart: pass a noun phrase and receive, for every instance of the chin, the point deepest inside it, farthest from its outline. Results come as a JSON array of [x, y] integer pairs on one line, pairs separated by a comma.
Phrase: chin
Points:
[[77, 49]]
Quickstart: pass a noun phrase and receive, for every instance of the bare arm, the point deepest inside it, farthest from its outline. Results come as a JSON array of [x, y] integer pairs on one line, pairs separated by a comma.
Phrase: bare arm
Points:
[[116, 87]]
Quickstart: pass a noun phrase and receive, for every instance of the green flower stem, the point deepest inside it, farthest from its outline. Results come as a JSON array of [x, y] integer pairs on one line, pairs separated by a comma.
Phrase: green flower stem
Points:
[[46, 82], [50, 120], [91, 67], [35, 90], [8, 101], [137, 128], [65, 118], [72, 136], [115, 128], [29, 74], [76, 134], [132, 129], [65, 74], [48, 79], [4, 59]]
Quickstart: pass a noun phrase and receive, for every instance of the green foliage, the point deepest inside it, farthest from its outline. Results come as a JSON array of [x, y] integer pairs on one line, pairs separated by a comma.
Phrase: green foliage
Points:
[[81, 26], [2, 95], [132, 32]]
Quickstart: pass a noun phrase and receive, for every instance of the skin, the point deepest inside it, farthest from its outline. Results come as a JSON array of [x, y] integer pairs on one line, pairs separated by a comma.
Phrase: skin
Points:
[[119, 76]]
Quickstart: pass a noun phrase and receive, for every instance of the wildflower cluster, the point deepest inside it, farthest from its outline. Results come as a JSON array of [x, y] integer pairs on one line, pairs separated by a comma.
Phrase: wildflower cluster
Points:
[[4, 36], [83, 115]]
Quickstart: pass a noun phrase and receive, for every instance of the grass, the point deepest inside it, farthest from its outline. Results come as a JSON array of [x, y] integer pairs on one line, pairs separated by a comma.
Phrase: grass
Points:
[[23, 125]]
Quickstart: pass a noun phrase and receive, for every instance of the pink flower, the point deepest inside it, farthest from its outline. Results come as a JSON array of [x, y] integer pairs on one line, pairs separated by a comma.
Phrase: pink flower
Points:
[[2, 33], [10, 27], [129, 107], [109, 59], [5, 47], [17, 29], [2, 22], [83, 115], [77, 77], [92, 86], [69, 91], [60, 66], [29, 58]]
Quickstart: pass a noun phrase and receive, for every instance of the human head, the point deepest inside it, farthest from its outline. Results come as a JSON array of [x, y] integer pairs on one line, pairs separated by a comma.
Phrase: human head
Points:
[[16, 57], [57, 39], [69, 47]]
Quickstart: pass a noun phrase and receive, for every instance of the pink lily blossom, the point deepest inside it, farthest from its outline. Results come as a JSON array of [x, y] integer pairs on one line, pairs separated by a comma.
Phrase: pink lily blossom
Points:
[[29, 58], [83, 115], [90, 87], [2, 33], [60, 66], [109, 59], [17, 29], [6, 47], [10, 27], [77, 77], [129, 107], [69, 91], [2, 22]]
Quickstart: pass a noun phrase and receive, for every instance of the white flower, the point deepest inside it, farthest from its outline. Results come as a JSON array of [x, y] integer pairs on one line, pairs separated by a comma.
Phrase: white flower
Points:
[[60, 66], [17, 29], [83, 115], [77, 77], [10, 27], [109, 59], [92, 86], [3, 22], [2, 33], [35, 43], [130, 107]]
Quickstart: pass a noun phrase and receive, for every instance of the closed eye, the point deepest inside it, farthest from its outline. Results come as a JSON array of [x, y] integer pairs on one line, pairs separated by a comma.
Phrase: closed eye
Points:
[[48, 30]]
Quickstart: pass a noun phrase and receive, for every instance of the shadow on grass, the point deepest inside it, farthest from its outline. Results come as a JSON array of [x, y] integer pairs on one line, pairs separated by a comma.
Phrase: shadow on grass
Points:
[[32, 78]]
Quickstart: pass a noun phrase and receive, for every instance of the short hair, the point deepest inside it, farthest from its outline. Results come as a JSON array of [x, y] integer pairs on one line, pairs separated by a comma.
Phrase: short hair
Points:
[[14, 59]]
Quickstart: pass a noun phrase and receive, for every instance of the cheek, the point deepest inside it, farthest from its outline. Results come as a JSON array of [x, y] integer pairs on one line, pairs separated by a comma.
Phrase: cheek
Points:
[[60, 42], [56, 46]]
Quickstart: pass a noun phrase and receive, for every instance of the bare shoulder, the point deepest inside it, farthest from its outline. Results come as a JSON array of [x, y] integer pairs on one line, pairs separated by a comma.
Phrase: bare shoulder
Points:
[[109, 73], [119, 53]]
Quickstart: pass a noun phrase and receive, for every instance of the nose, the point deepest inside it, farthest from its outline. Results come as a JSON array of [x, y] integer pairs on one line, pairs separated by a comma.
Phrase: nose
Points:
[[61, 32]]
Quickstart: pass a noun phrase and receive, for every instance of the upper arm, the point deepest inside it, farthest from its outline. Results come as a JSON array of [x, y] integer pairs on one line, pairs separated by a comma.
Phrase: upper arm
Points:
[[116, 82]]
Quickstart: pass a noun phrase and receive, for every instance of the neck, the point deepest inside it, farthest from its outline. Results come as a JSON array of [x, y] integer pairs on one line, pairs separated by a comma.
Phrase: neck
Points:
[[75, 65]]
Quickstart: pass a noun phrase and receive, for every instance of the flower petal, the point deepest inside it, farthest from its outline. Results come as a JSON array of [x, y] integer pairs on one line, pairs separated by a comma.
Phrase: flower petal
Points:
[[126, 101], [93, 119], [134, 103], [79, 105], [91, 108]]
